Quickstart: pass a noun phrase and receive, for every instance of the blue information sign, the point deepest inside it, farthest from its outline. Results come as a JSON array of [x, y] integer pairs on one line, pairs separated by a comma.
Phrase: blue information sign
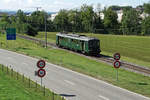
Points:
[[11, 33]]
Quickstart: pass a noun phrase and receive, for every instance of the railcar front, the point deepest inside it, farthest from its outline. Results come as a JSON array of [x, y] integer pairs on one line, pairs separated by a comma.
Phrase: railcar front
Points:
[[94, 46]]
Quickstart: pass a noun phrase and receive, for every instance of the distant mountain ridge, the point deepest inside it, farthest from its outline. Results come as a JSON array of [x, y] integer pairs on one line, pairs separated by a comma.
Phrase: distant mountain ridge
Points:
[[9, 12]]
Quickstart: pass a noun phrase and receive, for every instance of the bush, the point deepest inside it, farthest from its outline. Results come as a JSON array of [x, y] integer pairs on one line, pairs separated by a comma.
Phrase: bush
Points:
[[31, 31]]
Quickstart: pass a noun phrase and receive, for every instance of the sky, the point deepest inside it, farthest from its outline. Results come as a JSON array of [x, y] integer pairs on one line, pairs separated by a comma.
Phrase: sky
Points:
[[56, 5]]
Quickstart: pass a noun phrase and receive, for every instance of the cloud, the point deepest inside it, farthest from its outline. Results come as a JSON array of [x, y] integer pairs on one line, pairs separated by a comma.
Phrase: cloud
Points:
[[56, 5]]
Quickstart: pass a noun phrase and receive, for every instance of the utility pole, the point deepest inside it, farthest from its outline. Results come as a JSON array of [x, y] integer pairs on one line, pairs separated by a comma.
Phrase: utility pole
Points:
[[37, 8], [45, 31]]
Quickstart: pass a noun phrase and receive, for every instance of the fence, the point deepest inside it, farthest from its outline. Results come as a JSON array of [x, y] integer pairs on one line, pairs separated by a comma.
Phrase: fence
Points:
[[27, 82]]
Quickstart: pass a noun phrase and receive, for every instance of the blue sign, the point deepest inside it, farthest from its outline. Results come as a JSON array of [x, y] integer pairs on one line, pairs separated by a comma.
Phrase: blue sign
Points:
[[11, 33], [11, 36]]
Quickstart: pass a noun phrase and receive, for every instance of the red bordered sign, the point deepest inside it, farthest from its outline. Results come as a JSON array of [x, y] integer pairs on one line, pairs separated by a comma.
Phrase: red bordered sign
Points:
[[117, 56], [117, 64], [41, 72], [41, 64]]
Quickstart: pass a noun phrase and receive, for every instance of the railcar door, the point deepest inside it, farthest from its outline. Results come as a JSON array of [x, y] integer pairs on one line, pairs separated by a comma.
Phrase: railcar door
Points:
[[83, 46]]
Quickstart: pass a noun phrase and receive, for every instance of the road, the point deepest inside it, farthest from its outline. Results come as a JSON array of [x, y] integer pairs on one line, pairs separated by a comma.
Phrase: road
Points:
[[72, 85]]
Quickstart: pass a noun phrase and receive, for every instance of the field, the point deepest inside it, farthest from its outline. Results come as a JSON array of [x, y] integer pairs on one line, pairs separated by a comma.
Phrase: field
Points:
[[133, 49], [13, 89], [128, 80]]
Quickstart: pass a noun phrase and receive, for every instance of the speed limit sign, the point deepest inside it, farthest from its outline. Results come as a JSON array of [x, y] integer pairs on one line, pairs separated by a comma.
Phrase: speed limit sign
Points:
[[117, 64]]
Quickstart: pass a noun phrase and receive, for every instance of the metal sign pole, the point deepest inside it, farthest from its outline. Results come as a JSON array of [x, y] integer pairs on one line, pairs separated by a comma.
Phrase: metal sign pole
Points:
[[41, 81], [117, 74]]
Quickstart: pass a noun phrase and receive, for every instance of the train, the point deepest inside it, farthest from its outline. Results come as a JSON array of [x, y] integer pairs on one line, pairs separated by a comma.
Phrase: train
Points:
[[78, 43]]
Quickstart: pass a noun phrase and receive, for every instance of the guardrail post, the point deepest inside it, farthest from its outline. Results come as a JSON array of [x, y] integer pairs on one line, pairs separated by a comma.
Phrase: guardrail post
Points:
[[23, 77], [36, 84], [2, 68], [12, 72], [53, 95], [29, 82], [63, 98], [7, 70], [17, 75], [44, 91]]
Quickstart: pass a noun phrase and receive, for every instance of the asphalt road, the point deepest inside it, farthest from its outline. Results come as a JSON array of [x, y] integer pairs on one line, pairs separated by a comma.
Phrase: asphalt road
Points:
[[73, 85]]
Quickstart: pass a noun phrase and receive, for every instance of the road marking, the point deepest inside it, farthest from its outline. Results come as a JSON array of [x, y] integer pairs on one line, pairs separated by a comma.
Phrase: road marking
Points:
[[104, 98], [69, 82], [9, 58], [24, 63]]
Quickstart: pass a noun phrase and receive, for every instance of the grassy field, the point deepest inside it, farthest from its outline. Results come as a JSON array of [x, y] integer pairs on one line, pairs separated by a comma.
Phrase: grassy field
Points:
[[13, 89], [128, 80], [134, 49]]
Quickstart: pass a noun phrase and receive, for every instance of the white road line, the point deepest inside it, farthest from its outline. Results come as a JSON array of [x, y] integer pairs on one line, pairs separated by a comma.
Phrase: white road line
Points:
[[69, 82], [24, 63], [9, 58], [102, 97]]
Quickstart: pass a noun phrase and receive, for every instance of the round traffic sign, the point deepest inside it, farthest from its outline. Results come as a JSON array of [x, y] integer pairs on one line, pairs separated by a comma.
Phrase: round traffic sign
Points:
[[41, 64], [41, 72], [117, 56], [117, 64]]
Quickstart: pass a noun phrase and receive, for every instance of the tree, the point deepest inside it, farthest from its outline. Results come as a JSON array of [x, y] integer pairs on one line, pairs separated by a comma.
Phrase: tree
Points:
[[21, 17], [146, 26], [87, 16], [98, 23], [130, 23], [61, 20], [147, 8], [31, 30], [75, 20], [5, 21], [37, 20], [110, 20]]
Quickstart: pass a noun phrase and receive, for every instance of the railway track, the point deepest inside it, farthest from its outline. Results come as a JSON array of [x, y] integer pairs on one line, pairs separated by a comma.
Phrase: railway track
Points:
[[139, 69]]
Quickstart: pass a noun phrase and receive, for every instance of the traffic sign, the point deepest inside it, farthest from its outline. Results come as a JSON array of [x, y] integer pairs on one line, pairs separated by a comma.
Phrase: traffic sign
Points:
[[117, 64], [117, 56], [11, 33], [41, 64], [41, 73]]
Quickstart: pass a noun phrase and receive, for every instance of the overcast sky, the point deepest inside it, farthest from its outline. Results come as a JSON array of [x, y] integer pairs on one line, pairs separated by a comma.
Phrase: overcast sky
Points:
[[56, 5]]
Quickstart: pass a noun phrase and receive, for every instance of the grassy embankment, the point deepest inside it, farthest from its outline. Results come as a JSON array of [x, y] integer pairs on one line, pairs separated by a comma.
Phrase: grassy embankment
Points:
[[133, 49], [12, 88], [128, 80]]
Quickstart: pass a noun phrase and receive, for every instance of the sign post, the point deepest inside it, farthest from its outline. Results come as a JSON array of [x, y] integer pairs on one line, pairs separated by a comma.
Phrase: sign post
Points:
[[117, 63], [41, 72]]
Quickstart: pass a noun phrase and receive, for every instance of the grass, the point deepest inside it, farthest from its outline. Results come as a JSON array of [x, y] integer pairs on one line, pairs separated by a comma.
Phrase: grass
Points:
[[133, 49], [128, 80], [13, 89]]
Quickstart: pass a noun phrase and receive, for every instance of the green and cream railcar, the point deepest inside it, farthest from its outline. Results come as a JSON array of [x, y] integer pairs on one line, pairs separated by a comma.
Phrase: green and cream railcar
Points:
[[78, 43]]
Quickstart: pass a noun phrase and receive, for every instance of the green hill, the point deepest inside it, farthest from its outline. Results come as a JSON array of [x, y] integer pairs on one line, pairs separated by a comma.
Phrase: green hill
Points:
[[134, 49]]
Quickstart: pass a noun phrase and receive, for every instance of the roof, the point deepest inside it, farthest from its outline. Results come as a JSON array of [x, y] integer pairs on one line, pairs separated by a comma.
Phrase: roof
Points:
[[75, 36]]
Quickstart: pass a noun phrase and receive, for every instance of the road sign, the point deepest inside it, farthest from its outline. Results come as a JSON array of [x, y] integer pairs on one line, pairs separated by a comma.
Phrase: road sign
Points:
[[117, 56], [11, 33], [117, 64], [41, 64], [41, 73]]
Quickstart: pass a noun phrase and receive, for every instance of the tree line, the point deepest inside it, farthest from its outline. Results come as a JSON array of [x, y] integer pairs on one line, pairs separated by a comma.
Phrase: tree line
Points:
[[85, 19]]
